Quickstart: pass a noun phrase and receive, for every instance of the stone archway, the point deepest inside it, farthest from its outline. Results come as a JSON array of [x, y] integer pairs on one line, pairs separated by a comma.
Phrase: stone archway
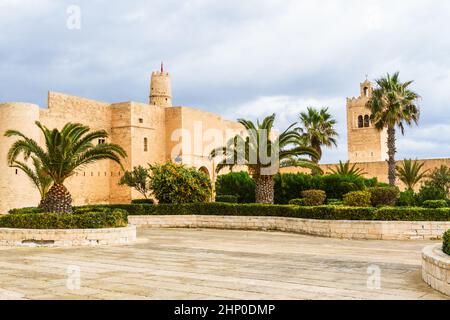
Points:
[[205, 171]]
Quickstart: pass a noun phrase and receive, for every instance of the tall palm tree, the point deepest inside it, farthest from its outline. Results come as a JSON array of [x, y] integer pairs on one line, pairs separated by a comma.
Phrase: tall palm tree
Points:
[[345, 169], [410, 173], [392, 104], [36, 174], [262, 153], [65, 151], [318, 129]]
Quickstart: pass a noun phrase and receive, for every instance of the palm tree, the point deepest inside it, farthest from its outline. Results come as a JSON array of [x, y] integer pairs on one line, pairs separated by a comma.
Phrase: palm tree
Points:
[[318, 130], [410, 173], [392, 104], [262, 153], [346, 169], [37, 175], [65, 151]]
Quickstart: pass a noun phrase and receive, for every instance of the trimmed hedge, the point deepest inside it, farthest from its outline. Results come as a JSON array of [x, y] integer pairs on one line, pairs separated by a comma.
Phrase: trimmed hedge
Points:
[[297, 202], [434, 204], [227, 198], [446, 246], [384, 196], [101, 218], [357, 199], [328, 212], [314, 197], [141, 201]]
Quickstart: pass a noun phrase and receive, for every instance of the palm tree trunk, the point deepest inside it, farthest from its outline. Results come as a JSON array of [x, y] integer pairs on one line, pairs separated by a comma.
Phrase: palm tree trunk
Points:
[[264, 189], [391, 154], [57, 200]]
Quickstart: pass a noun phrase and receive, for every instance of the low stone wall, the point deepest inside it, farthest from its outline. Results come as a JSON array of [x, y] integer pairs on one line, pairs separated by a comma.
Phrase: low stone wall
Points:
[[436, 268], [364, 230], [66, 237]]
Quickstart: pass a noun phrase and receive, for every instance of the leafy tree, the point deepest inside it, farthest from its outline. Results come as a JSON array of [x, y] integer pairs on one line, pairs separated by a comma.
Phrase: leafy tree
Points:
[[392, 105], [410, 173], [318, 129], [262, 153], [36, 174], [346, 169], [64, 153], [437, 187], [137, 179], [172, 183]]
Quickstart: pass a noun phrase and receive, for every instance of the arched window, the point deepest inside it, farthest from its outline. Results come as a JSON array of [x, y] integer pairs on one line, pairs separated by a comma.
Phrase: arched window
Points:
[[360, 122], [366, 92], [366, 121], [145, 144]]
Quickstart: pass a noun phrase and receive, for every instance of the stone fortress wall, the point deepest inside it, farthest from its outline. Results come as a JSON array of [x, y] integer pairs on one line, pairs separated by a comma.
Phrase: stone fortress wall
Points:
[[154, 133], [144, 130]]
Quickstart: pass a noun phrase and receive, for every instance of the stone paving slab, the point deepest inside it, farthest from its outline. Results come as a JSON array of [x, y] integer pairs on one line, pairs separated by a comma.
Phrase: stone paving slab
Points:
[[217, 264]]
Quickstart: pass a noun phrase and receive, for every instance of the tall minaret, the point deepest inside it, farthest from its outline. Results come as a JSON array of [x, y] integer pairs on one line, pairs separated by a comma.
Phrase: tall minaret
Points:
[[160, 88]]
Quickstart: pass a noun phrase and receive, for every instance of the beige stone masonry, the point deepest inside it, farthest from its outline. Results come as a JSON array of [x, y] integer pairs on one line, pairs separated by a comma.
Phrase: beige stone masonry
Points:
[[67, 237], [436, 268], [361, 230]]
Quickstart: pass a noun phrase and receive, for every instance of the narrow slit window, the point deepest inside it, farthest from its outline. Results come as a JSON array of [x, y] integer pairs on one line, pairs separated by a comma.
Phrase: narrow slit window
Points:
[[145, 144]]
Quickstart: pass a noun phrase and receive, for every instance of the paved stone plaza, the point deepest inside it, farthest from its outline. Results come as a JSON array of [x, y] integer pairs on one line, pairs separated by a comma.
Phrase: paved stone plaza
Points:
[[217, 264]]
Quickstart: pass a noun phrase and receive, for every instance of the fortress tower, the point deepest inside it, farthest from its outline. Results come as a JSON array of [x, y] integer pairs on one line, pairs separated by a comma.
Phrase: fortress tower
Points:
[[365, 142], [160, 88]]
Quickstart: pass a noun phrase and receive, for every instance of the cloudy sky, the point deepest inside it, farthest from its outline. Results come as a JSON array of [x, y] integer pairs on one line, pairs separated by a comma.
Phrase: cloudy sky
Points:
[[239, 58]]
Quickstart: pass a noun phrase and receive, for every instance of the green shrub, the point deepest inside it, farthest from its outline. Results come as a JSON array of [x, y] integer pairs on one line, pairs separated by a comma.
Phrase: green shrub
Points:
[[172, 183], [433, 204], [297, 202], [357, 199], [407, 199], [384, 196], [108, 218], [288, 186], [314, 197], [227, 198], [446, 245], [239, 184], [430, 192], [142, 201]]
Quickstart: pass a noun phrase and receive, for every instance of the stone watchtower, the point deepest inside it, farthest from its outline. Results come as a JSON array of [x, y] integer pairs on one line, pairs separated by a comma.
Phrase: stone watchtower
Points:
[[365, 142], [160, 88]]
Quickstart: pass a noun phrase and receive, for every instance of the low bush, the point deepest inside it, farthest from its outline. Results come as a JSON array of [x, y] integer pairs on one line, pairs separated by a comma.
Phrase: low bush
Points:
[[384, 196], [314, 197], [227, 198], [297, 202], [143, 201], [357, 199], [335, 202], [103, 218], [433, 204], [430, 192], [328, 212], [407, 199], [446, 246]]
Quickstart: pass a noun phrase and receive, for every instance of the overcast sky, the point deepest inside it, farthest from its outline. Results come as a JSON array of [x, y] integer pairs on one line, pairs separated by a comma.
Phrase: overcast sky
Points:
[[243, 58]]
